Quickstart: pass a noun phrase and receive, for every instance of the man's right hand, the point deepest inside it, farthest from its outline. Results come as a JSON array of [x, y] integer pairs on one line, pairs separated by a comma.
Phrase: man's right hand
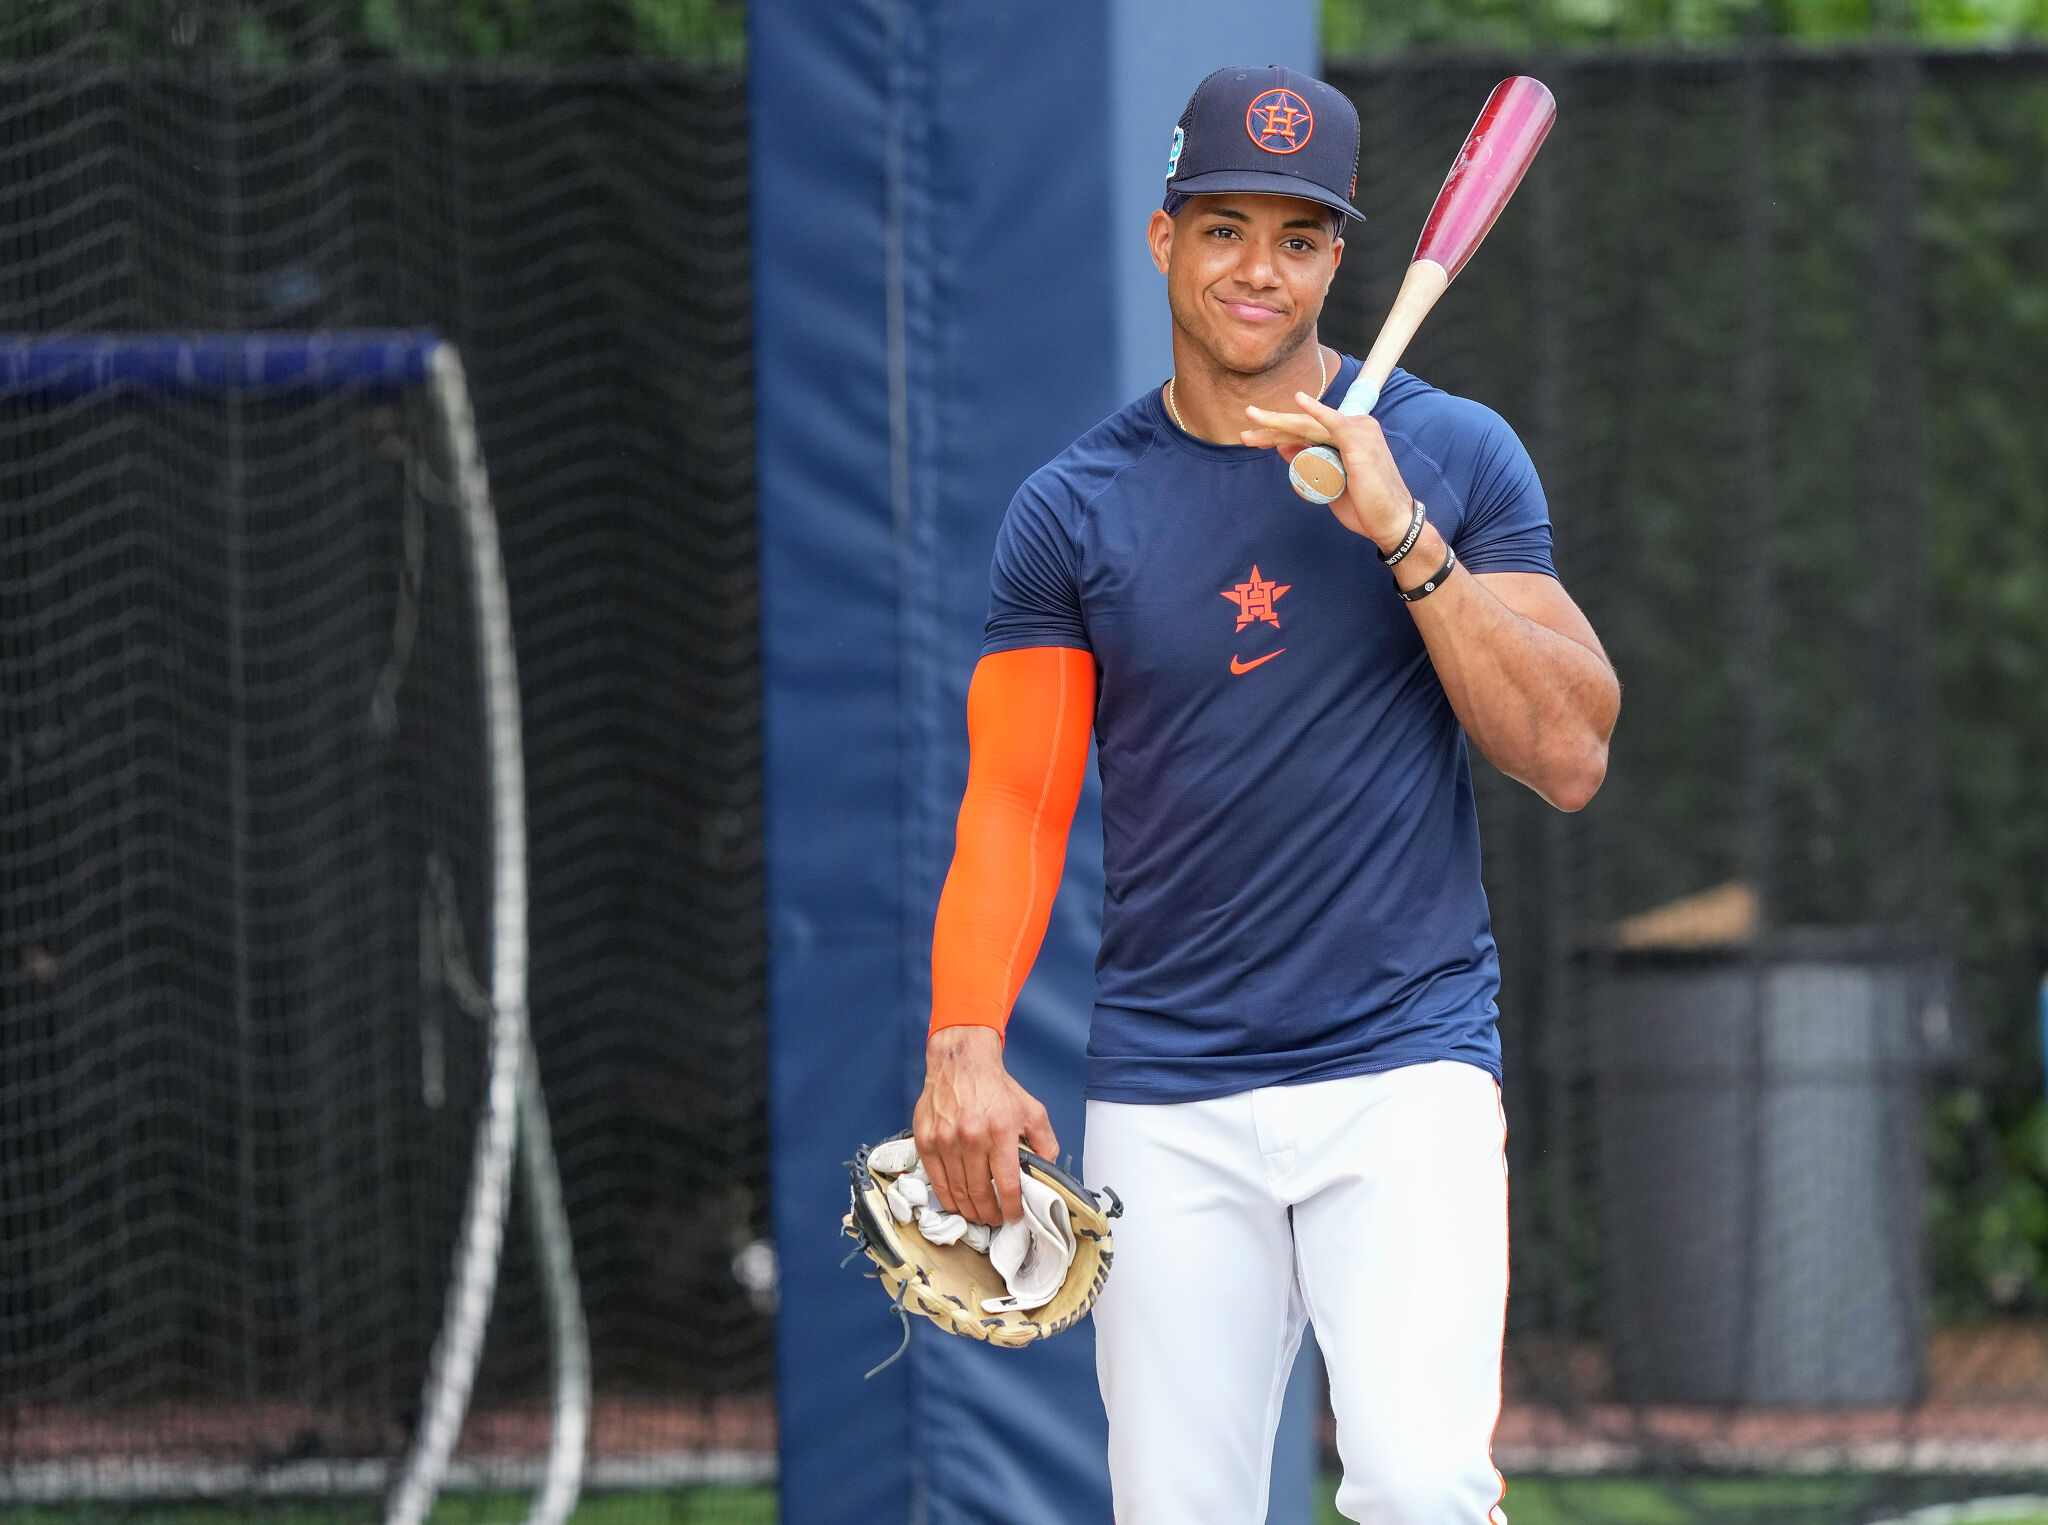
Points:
[[969, 1122]]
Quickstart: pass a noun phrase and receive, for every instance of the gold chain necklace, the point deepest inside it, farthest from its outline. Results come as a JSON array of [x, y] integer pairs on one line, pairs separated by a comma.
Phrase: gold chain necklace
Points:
[[1322, 386]]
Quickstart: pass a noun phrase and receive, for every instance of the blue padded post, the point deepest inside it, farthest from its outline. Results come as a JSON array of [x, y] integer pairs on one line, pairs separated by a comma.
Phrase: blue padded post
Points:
[[943, 225]]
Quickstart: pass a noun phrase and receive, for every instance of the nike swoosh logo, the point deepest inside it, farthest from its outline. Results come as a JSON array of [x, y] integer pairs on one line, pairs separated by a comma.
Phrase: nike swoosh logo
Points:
[[1239, 669]]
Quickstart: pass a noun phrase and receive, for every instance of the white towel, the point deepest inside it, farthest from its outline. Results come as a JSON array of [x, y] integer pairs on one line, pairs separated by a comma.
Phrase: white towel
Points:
[[1031, 1255], [949, 1228], [893, 1157]]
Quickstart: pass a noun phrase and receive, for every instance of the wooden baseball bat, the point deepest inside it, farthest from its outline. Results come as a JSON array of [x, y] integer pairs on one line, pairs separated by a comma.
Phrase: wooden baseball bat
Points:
[[1497, 153]]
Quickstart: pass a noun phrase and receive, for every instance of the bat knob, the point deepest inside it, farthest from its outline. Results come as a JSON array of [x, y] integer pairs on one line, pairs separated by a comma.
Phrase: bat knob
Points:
[[1317, 475]]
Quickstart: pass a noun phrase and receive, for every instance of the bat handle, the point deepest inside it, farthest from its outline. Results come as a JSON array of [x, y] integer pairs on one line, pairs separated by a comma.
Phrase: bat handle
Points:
[[1317, 474]]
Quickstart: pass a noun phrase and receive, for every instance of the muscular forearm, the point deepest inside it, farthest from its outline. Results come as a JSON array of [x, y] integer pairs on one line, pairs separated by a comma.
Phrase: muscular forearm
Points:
[[1539, 704], [1028, 718], [1522, 668]]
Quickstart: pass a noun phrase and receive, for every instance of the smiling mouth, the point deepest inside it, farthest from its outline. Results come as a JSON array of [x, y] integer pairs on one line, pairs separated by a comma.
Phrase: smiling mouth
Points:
[[1250, 312]]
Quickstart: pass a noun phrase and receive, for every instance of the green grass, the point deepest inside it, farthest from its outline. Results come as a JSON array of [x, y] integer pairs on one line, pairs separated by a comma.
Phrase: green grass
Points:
[[702, 1506], [1846, 1500], [1710, 1501], [1629, 1501]]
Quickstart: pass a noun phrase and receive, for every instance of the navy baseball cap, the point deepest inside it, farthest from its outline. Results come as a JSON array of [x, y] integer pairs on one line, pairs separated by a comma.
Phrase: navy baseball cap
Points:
[[1267, 130]]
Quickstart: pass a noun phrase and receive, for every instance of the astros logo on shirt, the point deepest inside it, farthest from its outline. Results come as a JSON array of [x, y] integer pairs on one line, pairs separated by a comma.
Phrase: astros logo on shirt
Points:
[[1280, 122], [1255, 599]]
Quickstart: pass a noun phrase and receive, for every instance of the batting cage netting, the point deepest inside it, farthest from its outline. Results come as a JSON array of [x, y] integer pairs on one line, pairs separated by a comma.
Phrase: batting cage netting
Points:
[[246, 840], [246, 1041], [1736, 314]]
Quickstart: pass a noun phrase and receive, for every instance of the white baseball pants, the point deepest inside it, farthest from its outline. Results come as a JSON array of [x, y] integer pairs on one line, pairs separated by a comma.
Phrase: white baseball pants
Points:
[[1375, 1206]]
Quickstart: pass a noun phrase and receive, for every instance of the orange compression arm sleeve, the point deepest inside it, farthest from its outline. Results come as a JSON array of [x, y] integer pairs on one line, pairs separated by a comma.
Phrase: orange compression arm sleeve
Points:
[[1029, 714]]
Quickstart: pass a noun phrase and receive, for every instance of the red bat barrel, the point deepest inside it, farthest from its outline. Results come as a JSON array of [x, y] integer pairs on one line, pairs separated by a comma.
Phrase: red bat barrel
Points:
[[1511, 127]]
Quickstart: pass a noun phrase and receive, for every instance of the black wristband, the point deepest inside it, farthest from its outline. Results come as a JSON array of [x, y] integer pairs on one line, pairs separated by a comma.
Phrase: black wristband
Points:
[[1417, 594], [1415, 522]]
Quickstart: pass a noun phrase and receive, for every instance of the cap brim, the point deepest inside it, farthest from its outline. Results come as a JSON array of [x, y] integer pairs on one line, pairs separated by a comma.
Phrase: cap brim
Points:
[[1262, 183]]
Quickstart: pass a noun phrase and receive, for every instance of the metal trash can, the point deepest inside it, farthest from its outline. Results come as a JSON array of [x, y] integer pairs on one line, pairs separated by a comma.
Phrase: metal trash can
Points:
[[1760, 1158]]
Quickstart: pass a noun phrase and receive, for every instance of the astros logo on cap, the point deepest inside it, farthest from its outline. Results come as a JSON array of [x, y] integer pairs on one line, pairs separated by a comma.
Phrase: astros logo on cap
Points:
[[1280, 122]]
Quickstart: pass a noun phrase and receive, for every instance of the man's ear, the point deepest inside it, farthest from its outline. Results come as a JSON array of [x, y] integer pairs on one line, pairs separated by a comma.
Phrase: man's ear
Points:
[[1159, 235]]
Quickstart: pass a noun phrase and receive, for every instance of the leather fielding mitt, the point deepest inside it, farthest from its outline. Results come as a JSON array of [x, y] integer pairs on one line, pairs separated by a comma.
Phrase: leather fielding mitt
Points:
[[957, 1286]]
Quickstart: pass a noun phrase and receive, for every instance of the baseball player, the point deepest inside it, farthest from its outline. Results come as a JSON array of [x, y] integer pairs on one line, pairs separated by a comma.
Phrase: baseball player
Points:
[[1292, 1069]]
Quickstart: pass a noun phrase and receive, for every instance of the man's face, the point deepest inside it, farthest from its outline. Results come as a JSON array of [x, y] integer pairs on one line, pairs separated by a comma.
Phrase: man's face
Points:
[[1246, 275]]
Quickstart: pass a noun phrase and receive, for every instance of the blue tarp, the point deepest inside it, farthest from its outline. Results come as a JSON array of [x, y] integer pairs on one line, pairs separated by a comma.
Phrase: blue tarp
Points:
[[941, 251]]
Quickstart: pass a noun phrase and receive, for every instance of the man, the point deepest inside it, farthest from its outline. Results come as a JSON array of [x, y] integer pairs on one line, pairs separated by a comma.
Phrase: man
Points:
[[1293, 1065]]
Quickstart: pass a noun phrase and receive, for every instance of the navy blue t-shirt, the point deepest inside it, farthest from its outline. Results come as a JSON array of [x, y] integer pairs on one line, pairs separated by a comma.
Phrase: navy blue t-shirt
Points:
[[1289, 840]]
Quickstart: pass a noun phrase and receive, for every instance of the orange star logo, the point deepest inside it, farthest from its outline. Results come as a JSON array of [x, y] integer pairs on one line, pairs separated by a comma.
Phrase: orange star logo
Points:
[[1255, 599], [1279, 121]]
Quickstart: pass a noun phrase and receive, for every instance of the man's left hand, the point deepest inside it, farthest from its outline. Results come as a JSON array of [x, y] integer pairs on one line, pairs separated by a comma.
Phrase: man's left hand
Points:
[[1375, 502]]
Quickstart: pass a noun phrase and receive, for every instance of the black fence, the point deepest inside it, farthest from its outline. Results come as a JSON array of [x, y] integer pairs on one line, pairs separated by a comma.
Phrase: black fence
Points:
[[1704, 317], [1753, 315], [583, 237]]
